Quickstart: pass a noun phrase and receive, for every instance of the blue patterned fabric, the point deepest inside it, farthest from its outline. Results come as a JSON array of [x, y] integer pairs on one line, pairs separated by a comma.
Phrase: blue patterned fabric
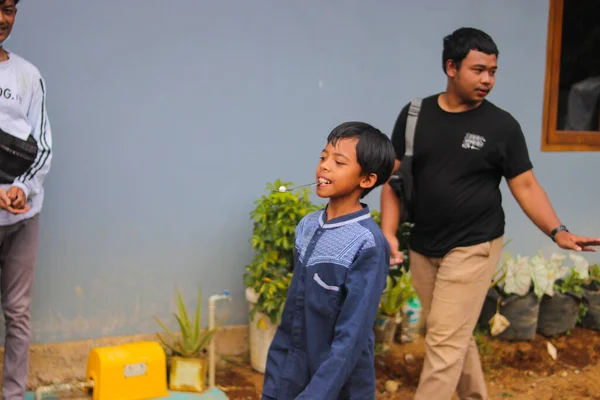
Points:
[[323, 348]]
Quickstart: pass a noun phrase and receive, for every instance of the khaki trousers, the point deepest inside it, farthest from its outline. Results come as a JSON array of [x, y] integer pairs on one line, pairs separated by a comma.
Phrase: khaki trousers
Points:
[[452, 290]]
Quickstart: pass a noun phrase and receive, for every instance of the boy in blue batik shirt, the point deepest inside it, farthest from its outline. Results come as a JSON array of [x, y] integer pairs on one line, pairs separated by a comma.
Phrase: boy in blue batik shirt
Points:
[[323, 348]]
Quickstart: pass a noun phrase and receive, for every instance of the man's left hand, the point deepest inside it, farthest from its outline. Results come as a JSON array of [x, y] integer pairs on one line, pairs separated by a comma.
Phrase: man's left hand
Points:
[[569, 241]]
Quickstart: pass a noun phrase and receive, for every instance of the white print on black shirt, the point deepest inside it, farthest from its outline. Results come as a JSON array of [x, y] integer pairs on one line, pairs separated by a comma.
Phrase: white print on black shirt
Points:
[[473, 142]]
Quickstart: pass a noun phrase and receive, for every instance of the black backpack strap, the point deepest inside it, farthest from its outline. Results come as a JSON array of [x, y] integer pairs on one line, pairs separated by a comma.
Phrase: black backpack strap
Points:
[[401, 181], [411, 125]]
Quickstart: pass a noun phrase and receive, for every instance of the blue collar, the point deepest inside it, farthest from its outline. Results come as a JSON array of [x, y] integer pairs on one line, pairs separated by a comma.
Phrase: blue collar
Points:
[[356, 216]]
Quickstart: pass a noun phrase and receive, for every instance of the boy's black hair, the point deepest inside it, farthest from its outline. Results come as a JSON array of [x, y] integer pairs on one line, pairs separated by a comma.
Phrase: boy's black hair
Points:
[[458, 44], [374, 150], [3, 1]]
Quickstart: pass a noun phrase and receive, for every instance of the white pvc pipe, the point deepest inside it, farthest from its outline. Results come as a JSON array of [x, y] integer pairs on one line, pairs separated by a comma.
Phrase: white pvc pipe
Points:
[[211, 325]]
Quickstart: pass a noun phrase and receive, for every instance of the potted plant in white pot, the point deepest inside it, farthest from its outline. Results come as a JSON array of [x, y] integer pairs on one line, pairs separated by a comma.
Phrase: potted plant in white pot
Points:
[[268, 277], [188, 349]]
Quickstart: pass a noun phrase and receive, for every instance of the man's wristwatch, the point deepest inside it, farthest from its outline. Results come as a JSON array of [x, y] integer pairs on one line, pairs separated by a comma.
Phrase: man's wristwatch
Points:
[[556, 230]]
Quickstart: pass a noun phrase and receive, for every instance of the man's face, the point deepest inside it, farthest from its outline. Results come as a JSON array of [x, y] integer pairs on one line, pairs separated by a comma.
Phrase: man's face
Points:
[[476, 76], [8, 12]]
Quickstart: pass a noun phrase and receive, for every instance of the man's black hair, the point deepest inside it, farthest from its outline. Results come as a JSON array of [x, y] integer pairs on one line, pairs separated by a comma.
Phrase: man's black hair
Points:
[[374, 150], [458, 44]]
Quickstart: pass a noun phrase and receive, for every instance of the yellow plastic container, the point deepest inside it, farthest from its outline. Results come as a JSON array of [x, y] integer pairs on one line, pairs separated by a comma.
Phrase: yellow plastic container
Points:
[[128, 372]]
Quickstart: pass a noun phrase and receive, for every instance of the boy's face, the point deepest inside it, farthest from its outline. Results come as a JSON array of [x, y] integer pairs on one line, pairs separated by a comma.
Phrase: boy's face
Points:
[[8, 12], [476, 76], [339, 171]]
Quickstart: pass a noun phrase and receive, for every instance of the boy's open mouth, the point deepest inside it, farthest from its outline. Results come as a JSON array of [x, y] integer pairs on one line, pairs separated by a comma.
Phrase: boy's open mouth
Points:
[[323, 182]]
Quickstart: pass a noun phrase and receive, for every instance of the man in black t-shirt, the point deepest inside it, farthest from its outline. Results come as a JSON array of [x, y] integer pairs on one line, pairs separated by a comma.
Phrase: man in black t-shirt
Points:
[[463, 147]]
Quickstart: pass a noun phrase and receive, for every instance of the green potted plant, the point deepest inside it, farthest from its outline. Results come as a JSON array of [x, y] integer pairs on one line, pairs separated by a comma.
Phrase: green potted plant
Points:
[[559, 308], [389, 315], [590, 308], [268, 276], [188, 348]]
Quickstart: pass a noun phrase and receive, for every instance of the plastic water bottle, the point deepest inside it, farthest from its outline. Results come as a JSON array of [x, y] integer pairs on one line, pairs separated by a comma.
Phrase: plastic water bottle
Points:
[[411, 313]]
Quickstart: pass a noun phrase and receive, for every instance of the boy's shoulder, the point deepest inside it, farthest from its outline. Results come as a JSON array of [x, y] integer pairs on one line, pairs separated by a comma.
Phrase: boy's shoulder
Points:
[[313, 216], [376, 234], [310, 219], [360, 237], [26, 66]]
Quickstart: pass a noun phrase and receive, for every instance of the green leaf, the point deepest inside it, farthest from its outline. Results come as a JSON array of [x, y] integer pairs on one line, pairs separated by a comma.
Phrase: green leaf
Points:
[[206, 337], [171, 335], [185, 331], [167, 345], [197, 316], [182, 311]]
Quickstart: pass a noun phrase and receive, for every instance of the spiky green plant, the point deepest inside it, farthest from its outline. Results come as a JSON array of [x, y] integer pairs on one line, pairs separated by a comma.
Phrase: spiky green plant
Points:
[[192, 341], [396, 293]]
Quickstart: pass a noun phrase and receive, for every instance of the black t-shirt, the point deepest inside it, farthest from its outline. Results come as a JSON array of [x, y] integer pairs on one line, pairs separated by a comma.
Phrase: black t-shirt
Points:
[[458, 163]]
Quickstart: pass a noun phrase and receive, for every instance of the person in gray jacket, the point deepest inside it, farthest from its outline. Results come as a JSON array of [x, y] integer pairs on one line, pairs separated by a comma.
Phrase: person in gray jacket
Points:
[[25, 156]]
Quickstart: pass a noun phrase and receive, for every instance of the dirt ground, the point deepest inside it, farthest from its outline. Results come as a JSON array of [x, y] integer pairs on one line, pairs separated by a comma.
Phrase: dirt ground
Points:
[[519, 370]]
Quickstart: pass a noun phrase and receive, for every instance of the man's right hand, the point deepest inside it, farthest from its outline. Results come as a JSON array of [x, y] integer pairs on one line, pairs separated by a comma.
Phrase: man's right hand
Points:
[[396, 255], [6, 204]]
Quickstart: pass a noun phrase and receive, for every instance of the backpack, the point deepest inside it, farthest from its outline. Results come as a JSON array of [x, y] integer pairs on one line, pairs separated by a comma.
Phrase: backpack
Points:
[[402, 180], [16, 156]]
